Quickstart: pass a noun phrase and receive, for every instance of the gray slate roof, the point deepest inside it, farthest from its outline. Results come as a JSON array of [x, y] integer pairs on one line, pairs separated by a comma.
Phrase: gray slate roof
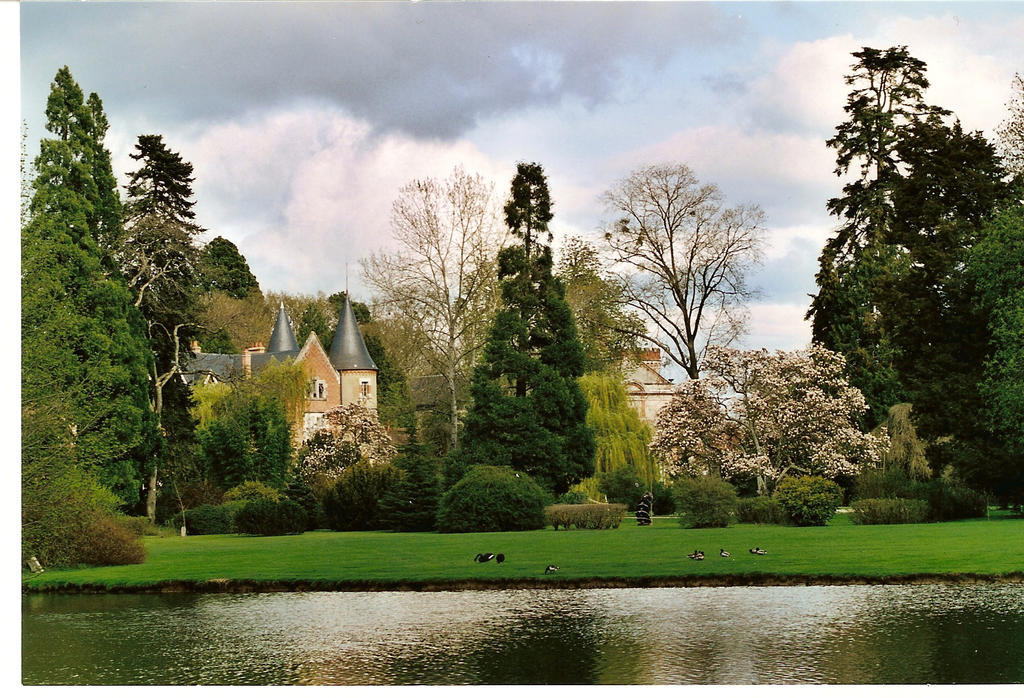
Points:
[[224, 367], [282, 339], [348, 350]]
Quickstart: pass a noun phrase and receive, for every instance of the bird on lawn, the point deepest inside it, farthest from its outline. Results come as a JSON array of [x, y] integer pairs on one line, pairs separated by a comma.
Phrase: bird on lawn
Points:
[[696, 555], [551, 569], [500, 558], [724, 553], [758, 551], [483, 557]]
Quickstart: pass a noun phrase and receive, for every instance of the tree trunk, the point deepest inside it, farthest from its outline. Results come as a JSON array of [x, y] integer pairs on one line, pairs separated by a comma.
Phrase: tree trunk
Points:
[[151, 497], [158, 406]]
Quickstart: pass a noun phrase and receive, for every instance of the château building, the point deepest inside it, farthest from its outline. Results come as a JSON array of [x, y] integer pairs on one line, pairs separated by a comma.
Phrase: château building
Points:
[[345, 374], [648, 391]]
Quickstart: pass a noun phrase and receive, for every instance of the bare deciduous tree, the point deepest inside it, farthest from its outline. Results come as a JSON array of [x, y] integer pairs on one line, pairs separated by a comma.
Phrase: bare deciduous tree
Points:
[[682, 258], [443, 277]]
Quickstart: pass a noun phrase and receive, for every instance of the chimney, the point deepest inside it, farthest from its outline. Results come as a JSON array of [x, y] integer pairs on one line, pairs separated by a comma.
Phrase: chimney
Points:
[[651, 357], [256, 348]]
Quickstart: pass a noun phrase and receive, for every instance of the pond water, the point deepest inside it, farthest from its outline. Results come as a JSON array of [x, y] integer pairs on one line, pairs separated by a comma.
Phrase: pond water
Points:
[[736, 635]]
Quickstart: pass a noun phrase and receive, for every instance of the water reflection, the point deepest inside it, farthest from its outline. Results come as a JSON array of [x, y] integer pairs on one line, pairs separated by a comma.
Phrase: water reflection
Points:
[[920, 634]]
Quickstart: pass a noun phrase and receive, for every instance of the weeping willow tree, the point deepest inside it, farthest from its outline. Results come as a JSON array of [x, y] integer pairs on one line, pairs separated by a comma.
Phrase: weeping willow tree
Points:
[[286, 381], [621, 437], [906, 451]]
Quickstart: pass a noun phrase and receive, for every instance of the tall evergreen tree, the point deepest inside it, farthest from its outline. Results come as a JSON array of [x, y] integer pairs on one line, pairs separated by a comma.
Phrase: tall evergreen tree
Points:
[[158, 258], [529, 412], [886, 100], [81, 339], [953, 183]]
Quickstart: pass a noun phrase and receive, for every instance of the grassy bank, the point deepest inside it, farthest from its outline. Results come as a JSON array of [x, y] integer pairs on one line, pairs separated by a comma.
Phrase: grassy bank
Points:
[[839, 552]]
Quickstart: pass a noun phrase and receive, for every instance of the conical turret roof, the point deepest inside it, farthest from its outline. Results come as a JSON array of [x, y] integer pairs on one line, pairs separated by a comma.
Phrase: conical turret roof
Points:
[[348, 350], [282, 338]]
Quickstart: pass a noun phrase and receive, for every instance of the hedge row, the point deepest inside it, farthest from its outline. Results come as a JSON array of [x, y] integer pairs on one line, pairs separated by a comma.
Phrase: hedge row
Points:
[[889, 511], [590, 516]]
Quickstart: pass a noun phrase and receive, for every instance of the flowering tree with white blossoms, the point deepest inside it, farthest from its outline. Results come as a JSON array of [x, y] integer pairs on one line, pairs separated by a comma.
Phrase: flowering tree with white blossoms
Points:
[[345, 428], [767, 415]]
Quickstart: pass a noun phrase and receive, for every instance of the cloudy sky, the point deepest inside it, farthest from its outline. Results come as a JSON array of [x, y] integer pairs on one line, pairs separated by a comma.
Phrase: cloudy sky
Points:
[[303, 119]]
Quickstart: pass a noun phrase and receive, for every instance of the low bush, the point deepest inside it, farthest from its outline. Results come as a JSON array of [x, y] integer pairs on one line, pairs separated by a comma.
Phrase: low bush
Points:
[[622, 486], [171, 500], [704, 502], [209, 519], [876, 483], [889, 511], [492, 498], [664, 503], [572, 497], [949, 500], [251, 490], [262, 517], [760, 510], [106, 542], [809, 500], [590, 516], [139, 525], [352, 504]]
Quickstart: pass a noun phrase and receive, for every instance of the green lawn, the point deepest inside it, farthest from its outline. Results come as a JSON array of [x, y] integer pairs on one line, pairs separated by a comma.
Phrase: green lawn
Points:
[[985, 547]]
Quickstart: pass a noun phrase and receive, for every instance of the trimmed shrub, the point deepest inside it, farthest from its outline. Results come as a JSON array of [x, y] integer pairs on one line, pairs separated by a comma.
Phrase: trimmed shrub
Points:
[[105, 542], [590, 516], [809, 500], [491, 498], [352, 504], [889, 511], [760, 510], [251, 490], [704, 502], [262, 517], [207, 519]]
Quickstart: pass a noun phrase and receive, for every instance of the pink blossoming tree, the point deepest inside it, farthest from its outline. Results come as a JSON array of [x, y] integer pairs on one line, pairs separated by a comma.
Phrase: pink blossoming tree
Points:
[[768, 415]]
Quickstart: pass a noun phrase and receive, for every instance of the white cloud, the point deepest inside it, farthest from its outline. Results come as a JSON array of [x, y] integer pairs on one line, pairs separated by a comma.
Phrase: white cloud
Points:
[[805, 88], [303, 191], [777, 326]]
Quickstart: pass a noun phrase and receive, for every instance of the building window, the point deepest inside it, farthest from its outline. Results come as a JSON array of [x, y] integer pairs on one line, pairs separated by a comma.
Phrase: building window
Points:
[[364, 388], [318, 390]]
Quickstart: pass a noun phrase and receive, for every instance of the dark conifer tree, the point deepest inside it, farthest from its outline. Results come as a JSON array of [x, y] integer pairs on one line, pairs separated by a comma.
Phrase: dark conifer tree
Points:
[[953, 183], [81, 340], [158, 258], [411, 505], [886, 100], [223, 268], [529, 412]]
